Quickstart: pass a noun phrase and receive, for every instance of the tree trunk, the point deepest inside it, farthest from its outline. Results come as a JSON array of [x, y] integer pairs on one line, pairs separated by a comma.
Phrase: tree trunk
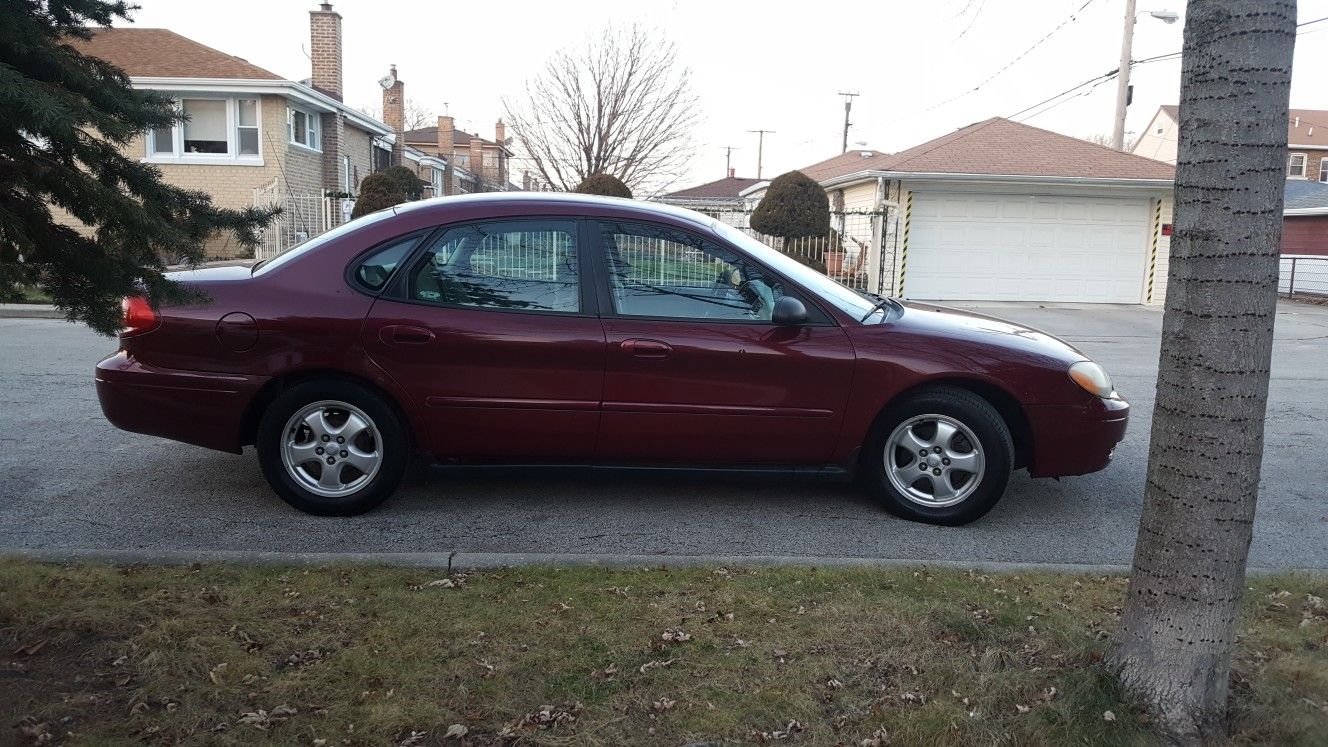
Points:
[[1212, 384]]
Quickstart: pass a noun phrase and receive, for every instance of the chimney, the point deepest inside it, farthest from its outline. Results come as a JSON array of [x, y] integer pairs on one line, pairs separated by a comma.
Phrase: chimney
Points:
[[394, 114], [477, 159], [500, 132], [525, 180], [446, 128], [325, 49], [732, 171]]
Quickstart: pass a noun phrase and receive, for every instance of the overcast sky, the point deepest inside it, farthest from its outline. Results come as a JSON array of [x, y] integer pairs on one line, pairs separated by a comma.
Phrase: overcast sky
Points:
[[769, 64]]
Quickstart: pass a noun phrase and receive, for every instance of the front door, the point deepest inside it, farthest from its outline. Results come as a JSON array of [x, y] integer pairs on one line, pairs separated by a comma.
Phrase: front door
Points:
[[490, 332], [696, 372]]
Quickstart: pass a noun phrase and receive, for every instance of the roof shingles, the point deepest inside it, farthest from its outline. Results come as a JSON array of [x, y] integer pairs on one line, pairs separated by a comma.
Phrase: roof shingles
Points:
[[161, 53]]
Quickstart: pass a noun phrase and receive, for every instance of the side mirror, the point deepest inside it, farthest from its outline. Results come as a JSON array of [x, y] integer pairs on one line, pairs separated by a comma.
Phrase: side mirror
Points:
[[788, 312]]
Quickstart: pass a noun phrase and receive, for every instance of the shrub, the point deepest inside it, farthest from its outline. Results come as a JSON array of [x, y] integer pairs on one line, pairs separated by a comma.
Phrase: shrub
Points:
[[606, 185], [405, 180], [377, 191], [794, 206]]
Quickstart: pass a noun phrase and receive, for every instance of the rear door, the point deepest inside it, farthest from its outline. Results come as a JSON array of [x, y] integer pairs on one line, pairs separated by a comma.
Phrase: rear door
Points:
[[696, 372], [493, 333]]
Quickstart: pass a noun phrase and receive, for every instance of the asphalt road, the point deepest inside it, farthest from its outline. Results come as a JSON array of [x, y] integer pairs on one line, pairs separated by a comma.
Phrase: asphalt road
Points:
[[70, 481]]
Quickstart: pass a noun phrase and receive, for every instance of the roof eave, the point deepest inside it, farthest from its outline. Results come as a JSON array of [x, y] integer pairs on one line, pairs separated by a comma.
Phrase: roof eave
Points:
[[1081, 181], [289, 88]]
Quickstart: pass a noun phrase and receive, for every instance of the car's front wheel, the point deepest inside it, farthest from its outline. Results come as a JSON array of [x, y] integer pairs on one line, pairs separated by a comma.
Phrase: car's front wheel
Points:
[[331, 448], [940, 456]]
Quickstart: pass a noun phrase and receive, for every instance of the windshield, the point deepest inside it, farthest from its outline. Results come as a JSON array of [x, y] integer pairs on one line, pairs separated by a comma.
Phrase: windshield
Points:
[[842, 297], [321, 239]]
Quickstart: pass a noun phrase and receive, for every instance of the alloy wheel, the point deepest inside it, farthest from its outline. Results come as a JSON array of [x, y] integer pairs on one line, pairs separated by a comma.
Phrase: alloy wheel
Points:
[[331, 448], [934, 460]]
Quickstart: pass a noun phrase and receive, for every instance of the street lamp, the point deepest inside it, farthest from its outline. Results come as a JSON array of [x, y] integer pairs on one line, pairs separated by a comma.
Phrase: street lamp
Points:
[[1123, 75]]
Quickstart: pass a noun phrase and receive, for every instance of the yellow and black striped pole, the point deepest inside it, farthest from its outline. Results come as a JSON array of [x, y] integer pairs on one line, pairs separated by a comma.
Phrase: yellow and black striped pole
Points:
[[1152, 250], [903, 252]]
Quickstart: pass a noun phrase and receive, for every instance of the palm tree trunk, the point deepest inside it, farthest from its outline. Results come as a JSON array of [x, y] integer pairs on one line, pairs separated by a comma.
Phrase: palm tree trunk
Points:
[[1212, 385]]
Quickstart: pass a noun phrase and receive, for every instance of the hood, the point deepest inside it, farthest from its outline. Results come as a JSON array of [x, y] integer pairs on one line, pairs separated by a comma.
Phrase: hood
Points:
[[954, 323]]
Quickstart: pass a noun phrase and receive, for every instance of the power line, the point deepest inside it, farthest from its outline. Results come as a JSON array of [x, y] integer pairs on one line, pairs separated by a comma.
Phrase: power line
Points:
[[1099, 79], [1007, 66]]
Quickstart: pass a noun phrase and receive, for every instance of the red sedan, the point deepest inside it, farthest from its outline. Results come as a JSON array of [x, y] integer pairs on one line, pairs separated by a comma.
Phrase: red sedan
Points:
[[564, 329]]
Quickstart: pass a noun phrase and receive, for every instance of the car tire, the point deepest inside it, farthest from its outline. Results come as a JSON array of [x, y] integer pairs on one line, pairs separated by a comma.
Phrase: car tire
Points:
[[940, 456], [332, 448]]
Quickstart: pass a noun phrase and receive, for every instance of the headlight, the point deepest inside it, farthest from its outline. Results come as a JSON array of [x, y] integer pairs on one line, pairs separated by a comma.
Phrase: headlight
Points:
[[1093, 379]]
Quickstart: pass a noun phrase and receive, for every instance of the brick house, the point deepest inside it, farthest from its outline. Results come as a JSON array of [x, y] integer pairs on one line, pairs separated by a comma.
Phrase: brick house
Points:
[[475, 164], [1307, 141], [252, 133]]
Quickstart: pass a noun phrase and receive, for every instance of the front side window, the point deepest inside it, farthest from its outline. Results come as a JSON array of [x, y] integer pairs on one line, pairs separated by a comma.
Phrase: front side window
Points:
[[213, 128], [510, 265], [655, 271], [302, 128], [1296, 165], [1323, 170]]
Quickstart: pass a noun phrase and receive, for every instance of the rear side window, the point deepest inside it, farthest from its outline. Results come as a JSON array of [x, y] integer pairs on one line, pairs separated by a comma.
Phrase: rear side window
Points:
[[374, 271], [506, 265]]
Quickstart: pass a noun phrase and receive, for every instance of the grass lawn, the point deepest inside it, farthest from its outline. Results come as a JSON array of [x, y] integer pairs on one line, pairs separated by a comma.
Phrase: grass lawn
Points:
[[95, 654]]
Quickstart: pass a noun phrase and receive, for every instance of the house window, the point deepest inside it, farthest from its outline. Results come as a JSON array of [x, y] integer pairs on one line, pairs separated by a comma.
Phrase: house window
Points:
[[382, 156], [1323, 170], [303, 128], [214, 128], [436, 179], [1296, 166], [1159, 129]]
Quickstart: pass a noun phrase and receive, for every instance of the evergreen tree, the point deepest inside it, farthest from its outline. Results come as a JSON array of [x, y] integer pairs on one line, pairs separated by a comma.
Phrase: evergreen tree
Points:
[[379, 190], [66, 120], [605, 185], [794, 206], [405, 180]]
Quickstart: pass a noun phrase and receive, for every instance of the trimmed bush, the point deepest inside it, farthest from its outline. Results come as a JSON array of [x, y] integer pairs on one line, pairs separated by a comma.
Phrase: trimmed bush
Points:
[[605, 185], [794, 206], [407, 183], [378, 191]]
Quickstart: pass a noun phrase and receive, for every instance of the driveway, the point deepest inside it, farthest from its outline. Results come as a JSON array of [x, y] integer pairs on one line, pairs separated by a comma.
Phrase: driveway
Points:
[[69, 480]]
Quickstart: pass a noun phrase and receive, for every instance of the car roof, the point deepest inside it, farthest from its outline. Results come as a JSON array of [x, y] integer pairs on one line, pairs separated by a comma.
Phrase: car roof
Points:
[[548, 199]]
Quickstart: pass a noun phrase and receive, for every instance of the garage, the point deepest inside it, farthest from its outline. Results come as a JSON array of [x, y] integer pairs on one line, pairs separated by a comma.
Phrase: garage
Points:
[[977, 246]]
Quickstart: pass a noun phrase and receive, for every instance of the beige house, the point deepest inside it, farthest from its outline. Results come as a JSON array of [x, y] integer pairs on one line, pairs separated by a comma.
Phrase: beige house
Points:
[[475, 164], [1307, 141], [252, 136], [1002, 211]]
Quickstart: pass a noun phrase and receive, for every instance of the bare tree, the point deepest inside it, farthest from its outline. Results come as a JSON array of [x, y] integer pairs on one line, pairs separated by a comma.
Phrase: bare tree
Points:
[[622, 105], [1099, 138], [1212, 386], [417, 116]]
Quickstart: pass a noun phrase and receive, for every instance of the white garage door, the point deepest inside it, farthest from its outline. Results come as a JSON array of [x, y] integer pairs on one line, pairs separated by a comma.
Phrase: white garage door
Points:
[[984, 247]]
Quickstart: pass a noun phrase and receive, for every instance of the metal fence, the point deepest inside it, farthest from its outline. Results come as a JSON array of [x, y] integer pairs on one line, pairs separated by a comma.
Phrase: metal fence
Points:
[[1304, 276], [302, 217], [856, 252]]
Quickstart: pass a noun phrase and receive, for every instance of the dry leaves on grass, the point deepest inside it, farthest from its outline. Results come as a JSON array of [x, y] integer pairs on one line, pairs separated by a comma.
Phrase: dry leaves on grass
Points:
[[606, 674], [655, 664], [546, 717], [878, 738], [792, 727], [413, 739], [264, 720], [663, 704], [675, 635], [456, 731]]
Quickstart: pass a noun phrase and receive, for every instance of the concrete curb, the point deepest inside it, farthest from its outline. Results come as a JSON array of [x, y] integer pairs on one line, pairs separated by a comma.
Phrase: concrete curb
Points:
[[30, 311], [478, 561]]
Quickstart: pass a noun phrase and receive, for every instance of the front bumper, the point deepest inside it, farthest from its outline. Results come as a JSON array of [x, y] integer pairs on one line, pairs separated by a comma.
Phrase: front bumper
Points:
[[196, 407], [1076, 439]]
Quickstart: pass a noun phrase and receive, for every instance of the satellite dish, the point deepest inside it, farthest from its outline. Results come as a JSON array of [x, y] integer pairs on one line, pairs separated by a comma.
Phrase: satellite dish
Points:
[[386, 81]]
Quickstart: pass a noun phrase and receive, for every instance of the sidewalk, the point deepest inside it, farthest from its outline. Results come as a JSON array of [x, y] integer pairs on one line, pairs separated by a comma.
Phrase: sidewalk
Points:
[[30, 311]]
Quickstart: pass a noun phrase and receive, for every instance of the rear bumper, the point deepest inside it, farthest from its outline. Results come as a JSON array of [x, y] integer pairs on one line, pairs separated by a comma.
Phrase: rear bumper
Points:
[[196, 407], [1076, 439]]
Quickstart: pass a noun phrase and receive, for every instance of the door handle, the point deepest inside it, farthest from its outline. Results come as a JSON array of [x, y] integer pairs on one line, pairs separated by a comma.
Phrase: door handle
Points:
[[647, 348], [404, 334]]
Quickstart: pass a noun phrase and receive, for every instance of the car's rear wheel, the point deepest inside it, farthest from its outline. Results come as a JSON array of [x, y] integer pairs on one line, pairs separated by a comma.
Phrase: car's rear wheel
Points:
[[941, 456], [331, 448]]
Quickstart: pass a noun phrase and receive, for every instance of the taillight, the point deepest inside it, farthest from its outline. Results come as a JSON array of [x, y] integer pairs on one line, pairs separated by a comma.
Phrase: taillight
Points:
[[139, 316]]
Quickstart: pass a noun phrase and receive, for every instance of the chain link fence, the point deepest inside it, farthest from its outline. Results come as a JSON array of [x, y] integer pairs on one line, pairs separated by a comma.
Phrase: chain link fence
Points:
[[1304, 276]]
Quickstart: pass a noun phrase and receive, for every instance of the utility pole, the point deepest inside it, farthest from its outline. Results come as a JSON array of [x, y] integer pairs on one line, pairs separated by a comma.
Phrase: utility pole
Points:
[[728, 159], [848, 106], [760, 147], [1123, 78]]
